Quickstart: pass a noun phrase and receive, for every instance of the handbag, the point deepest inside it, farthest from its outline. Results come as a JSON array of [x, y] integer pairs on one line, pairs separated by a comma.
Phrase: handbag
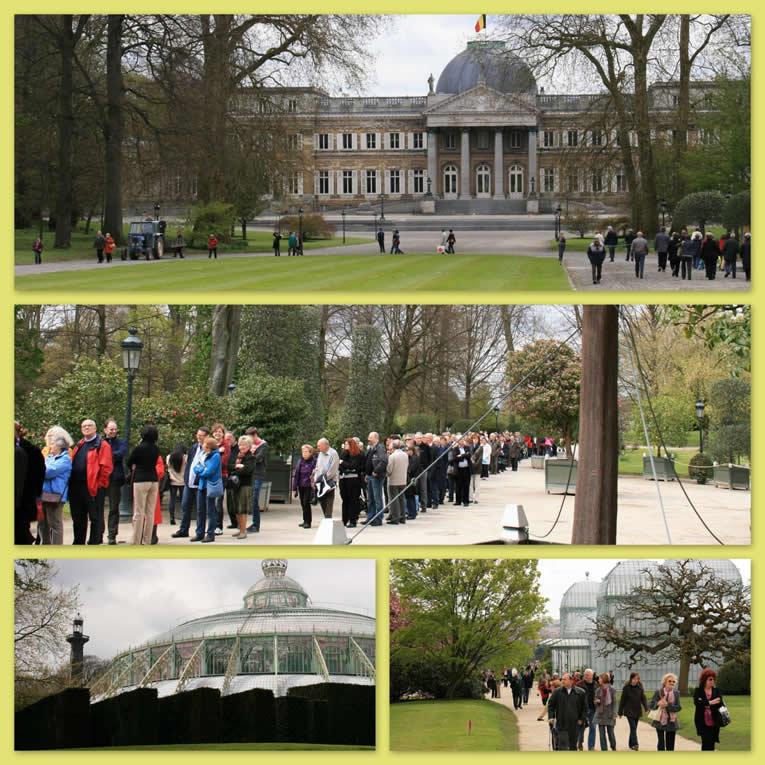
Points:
[[233, 483], [164, 483], [724, 715], [51, 497], [214, 489], [654, 715]]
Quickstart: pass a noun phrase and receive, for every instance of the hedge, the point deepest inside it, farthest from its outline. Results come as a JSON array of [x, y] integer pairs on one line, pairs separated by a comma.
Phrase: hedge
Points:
[[191, 717], [130, 719], [61, 721], [249, 716]]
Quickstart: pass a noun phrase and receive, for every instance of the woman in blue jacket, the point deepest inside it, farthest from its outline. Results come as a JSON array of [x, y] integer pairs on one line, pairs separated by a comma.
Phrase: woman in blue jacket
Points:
[[58, 467], [210, 486]]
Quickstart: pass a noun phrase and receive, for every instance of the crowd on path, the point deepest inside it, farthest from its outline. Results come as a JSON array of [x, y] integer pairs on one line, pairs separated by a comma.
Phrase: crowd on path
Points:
[[583, 705], [684, 252], [221, 476]]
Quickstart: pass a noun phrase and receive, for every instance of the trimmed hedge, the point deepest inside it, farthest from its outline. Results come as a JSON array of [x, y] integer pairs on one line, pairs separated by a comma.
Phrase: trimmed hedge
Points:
[[735, 676], [294, 719], [320, 713], [130, 719], [249, 716], [61, 721], [191, 717], [351, 711]]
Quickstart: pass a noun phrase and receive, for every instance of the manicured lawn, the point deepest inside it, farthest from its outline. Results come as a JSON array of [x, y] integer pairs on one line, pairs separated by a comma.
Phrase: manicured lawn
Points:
[[737, 737], [443, 726], [326, 273], [631, 461], [82, 245]]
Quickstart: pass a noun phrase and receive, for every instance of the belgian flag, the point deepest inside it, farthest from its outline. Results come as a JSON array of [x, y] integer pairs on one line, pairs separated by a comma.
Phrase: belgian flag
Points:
[[481, 23]]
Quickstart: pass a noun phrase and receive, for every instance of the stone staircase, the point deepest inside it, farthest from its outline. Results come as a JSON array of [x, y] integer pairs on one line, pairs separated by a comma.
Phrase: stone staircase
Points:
[[480, 207]]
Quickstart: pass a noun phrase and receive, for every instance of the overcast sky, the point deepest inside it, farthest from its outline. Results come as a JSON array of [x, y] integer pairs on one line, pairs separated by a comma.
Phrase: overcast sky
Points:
[[125, 602], [559, 575]]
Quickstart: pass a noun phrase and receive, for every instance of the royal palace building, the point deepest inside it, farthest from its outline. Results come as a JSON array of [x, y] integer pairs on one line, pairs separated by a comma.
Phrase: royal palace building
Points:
[[483, 138]]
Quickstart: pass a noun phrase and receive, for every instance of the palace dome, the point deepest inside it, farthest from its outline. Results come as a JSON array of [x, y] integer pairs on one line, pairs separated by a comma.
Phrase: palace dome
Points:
[[489, 62]]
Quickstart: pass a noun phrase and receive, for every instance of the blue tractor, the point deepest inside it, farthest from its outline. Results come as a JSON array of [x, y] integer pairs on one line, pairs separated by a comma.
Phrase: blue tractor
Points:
[[147, 238]]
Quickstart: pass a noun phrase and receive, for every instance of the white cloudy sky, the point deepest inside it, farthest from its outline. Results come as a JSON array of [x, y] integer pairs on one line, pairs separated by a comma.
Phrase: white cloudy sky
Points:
[[124, 602], [559, 575]]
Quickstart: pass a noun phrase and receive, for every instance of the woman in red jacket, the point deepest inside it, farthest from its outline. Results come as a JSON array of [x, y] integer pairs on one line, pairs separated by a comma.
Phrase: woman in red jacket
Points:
[[212, 246]]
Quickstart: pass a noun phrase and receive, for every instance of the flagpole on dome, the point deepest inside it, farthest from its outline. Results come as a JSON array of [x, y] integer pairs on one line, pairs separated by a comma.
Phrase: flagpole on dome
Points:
[[480, 25]]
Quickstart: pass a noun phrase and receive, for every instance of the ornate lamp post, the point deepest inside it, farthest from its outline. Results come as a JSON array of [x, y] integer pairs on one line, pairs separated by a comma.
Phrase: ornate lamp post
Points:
[[300, 226], [131, 360], [382, 207], [557, 221], [700, 417], [429, 192], [496, 419], [342, 215]]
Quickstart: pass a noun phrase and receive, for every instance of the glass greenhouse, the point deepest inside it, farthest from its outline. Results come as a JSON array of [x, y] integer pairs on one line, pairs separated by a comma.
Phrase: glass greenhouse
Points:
[[277, 640]]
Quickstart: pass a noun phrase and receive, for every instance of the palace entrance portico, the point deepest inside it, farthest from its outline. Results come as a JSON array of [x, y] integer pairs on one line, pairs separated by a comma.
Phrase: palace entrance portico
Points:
[[483, 144]]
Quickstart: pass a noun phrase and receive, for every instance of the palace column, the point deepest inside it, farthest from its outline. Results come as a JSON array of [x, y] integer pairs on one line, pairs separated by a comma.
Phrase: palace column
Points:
[[532, 201], [465, 164], [499, 173], [432, 162]]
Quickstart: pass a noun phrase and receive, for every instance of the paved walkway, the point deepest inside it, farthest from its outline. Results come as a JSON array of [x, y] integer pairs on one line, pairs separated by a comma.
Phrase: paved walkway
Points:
[[533, 735], [620, 275], [640, 523]]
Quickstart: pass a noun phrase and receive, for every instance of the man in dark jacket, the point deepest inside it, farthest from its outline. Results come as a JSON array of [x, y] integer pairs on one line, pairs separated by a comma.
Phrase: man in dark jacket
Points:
[[376, 468], [381, 240], [29, 474], [566, 711], [588, 685], [610, 240], [421, 442], [116, 479], [746, 255], [661, 245], [730, 254], [190, 486], [260, 450]]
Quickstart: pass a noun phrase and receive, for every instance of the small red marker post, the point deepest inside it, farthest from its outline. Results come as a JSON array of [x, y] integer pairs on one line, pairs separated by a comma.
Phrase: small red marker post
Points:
[[470, 727]]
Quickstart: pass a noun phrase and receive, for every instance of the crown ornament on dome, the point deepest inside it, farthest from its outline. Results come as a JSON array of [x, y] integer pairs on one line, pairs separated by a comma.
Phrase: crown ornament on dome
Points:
[[274, 568]]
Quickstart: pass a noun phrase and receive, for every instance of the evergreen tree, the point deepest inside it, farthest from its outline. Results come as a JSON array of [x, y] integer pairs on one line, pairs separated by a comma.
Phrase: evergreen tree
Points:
[[363, 405]]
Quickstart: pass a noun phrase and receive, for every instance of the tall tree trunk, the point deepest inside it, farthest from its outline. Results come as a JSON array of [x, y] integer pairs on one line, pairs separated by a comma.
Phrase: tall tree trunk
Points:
[[64, 201], [595, 509], [682, 675], [76, 344], [225, 346], [175, 347], [114, 129], [101, 313]]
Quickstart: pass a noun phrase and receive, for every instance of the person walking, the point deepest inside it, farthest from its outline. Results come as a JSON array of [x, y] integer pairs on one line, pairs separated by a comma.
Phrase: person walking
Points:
[[610, 240], [707, 718], [709, 254], [638, 252], [451, 240], [292, 244], [561, 248], [461, 458], [37, 249], [55, 491], [259, 474], [596, 254], [667, 701], [239, 484], [566, 713], [730, 255], [687, 253], [210, 482], [396, 243], [99, 243], [443, 239], [516, 687], [746, 256], [178, 245], [212, 246], [632, 704], [397, 470], [109, 247], [381, 240], [543, 686], [629, 238], [325, 475], [302, 486], [142, 467], [176, 467], [661, 245], [277, 244], [673, 254], [589, 685], [351, 480], [376, 471], [605, 717]]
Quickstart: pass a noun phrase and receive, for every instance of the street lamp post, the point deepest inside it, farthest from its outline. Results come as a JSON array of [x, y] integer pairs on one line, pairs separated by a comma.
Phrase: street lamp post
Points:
[[342, 214], [131, 348], [156, 210], [382, 207], [496, 419], [375, 216], [700, 417], [663, 207], [557, 221], [300, 226], [430, 193]]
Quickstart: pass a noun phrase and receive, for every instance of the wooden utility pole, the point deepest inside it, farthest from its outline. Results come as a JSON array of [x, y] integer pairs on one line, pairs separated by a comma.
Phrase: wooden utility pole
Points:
[[595, 506]]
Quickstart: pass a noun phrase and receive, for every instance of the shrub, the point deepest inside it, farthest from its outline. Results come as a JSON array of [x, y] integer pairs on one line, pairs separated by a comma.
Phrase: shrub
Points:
[[314, 226], [424, 423], [580, 221], [737, 212], [700, 468], [698, 209], [212, 218], [735, 676]]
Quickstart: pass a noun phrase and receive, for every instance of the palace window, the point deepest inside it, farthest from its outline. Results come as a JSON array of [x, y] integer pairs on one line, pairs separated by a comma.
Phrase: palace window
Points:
[[347, 181], [292, 105], [450, 141], [395, 182], [548, 139], [347, 140], [548, 179], [371, 181], [293, 142], [572, 138], [483, 179], [417, 142], [450, 179], [323, 182], [597, 182], [572, 182], [371, 140], [597, 137], [515, 139], [516, 179], [419, 182], [393, 140], [293, 183], [323, 141], [482, 140], [621, 181]]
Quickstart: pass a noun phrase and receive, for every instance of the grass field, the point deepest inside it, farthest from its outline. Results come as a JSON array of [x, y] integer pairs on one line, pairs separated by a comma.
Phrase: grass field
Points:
[[737, 737], [442, 726], [82, 245], [327, 273]]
